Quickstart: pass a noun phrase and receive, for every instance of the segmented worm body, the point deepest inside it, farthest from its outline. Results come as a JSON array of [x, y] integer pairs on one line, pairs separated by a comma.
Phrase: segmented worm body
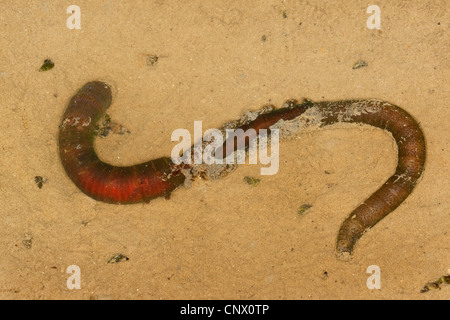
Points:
[[160, 177], [96, 178]]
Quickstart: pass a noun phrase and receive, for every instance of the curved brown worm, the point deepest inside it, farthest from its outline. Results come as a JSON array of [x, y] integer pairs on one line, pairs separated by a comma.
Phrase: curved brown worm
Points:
[[411, 155], [160, 177]]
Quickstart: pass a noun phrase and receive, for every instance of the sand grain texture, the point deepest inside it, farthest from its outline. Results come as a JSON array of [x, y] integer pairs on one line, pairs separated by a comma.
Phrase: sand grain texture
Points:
[[222, 239]]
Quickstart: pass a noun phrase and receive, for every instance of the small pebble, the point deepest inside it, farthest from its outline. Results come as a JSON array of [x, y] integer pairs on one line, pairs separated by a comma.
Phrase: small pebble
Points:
[[47, 65]]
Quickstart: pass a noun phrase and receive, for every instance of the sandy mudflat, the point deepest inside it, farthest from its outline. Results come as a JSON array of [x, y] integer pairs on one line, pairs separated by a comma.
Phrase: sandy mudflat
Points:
[[217, 59]]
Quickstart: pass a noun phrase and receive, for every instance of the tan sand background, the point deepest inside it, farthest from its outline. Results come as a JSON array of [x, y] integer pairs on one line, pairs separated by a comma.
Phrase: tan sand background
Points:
[[223, 239]]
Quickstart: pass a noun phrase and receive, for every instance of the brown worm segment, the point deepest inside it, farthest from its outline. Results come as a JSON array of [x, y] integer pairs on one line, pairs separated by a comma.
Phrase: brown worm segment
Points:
[[159, 177]]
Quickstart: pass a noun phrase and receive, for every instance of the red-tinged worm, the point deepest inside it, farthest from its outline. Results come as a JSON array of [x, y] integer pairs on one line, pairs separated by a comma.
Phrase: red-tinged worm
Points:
[[96, 178], [160, 177]]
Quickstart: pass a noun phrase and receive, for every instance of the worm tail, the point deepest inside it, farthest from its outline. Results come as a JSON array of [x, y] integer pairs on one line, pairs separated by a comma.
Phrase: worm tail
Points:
[[411, 155], [411, 159], [404, 129]]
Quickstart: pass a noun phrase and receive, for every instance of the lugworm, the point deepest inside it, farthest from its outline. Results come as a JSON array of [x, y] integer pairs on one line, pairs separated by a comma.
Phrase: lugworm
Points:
[[159, 177], [96, 178]]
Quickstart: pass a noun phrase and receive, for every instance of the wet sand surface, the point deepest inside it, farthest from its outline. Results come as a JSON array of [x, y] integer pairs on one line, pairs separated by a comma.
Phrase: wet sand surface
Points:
[[224, 239]]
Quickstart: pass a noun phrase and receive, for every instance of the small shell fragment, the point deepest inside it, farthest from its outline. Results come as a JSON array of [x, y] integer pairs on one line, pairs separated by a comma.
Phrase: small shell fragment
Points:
[[360, 64]]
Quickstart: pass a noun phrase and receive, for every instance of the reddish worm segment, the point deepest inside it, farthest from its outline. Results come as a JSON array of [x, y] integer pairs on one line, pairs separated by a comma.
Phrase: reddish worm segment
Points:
[[159, 177]]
